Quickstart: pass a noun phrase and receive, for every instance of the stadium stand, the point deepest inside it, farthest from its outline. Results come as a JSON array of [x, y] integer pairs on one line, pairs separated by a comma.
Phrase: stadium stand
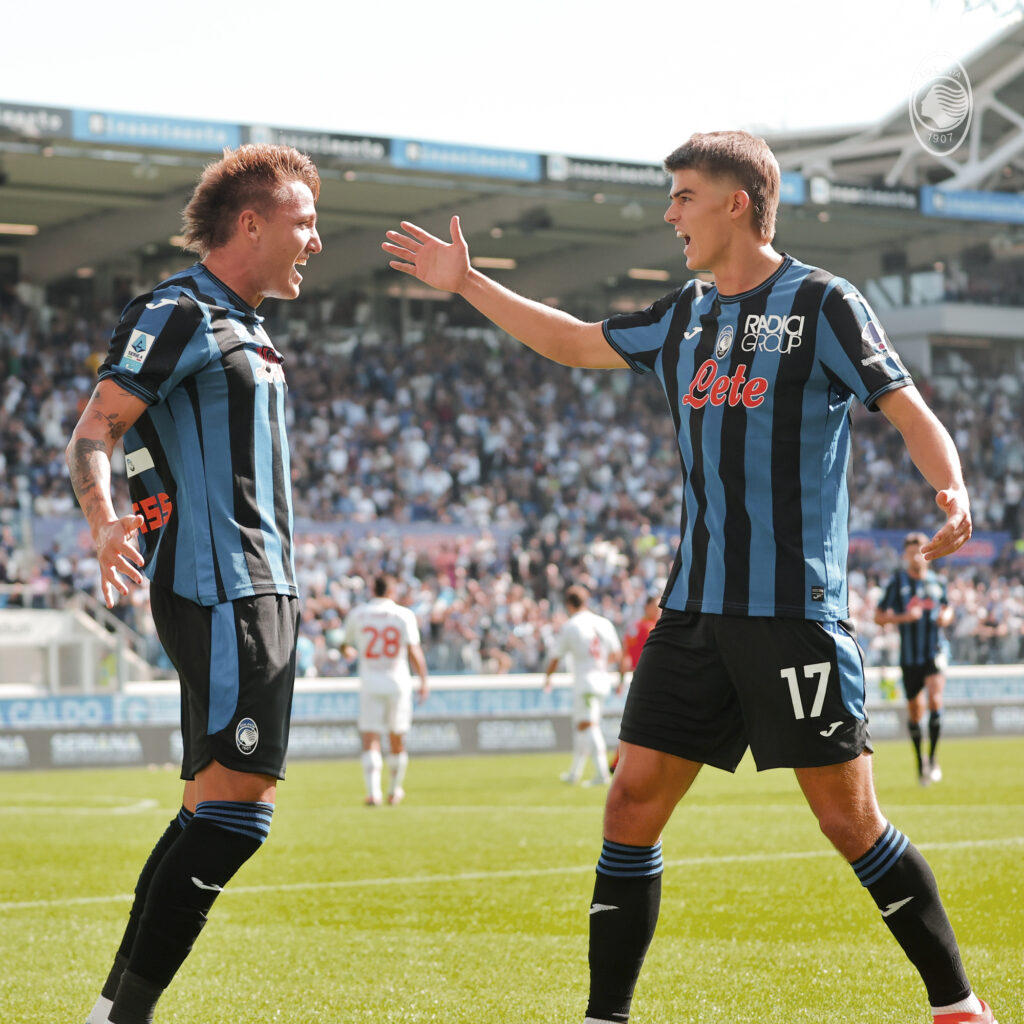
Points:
[[486, 477]]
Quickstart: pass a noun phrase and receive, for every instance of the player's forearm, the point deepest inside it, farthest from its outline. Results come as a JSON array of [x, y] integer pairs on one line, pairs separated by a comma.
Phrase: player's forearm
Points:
[[88, 462], [548, 331], [928, 442], [934, 454]]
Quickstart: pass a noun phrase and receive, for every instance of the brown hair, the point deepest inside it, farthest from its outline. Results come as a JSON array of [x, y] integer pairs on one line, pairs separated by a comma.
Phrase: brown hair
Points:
[[576, 596], [250, 177], [742, 157]]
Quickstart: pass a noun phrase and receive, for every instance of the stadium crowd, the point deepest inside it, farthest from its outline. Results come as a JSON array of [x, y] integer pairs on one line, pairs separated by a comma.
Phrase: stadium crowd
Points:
[[488, 479]]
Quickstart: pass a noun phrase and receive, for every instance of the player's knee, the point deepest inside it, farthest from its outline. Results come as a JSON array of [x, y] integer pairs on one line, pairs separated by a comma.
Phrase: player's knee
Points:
[[851, 834]]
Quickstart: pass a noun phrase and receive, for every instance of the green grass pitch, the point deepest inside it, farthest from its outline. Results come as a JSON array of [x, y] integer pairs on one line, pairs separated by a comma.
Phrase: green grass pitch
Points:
[[469, 902]]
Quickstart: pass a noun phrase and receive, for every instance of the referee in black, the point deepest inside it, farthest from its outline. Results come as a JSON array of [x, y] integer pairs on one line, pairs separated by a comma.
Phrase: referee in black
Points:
[[194, 389], [915, 600]]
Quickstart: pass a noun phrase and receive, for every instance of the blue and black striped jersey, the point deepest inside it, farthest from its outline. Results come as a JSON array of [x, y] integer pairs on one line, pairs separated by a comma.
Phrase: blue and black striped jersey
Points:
[[208, 461], [920, 641], [759, 387]]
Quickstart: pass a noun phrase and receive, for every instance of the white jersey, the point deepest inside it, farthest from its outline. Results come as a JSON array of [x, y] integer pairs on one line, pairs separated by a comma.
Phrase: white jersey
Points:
[[590, 641], [382, 631]]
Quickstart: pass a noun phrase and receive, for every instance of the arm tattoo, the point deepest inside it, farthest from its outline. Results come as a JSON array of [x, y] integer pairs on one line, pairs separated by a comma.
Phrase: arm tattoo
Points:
[[115, 427], [82, 471]]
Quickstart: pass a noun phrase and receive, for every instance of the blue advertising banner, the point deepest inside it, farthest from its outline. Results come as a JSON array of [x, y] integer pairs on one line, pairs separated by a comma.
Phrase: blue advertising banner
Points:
[[160, 132], [452, 159], [35, 121], [1001, 207], [982, 549], [792, 188]]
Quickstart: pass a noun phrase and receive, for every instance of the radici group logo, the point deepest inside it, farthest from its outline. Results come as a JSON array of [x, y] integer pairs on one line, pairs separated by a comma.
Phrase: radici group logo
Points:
[[941, 104]]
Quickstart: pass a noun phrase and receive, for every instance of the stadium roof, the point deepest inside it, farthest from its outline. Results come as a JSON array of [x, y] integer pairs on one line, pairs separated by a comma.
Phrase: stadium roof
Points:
[[105, 192]]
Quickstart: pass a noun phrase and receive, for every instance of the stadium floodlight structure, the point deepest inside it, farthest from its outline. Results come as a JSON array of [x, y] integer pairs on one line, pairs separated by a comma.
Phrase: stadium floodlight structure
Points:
[[1004, 7]]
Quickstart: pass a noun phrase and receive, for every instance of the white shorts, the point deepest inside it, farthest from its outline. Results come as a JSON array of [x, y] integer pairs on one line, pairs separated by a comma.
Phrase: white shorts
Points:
[[586, 707], [385, 712]]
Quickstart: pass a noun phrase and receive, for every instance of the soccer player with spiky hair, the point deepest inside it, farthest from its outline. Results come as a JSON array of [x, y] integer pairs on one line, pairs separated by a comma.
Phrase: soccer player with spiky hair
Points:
[[195, 389], [753, 648]]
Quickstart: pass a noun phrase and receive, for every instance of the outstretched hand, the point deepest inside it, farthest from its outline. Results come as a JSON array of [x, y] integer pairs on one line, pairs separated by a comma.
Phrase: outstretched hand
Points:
[[118, 556], [442, 265], [957, 529]]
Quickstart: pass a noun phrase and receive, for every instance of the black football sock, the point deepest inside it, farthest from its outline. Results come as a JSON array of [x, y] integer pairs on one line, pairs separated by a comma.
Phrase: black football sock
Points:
[[623, 916], [934, 732], [903, 887], [914, 728], [221, 837], [174, 829], [135, 1002]]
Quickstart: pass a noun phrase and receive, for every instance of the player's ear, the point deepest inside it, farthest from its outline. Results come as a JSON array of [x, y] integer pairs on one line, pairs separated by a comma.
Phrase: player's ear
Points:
[[249, 224], [740, 203]]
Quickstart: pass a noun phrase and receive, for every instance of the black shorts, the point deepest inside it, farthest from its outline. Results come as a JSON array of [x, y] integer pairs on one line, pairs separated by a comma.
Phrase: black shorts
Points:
[[914, 676], [708, 686], [236, 663]]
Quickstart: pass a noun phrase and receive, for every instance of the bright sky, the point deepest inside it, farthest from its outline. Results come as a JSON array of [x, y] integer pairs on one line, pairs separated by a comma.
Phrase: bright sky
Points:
[[627, 79]]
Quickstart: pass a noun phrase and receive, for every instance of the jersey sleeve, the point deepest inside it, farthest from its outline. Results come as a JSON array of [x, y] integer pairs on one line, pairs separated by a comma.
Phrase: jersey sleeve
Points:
[[639, 337], [611, 636], [853, 347], [561, 646], [157, 343], [890, 599], [351, 637]]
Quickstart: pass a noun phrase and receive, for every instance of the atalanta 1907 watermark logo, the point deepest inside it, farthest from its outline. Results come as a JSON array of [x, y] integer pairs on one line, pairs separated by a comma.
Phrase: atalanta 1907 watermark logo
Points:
[[941, 104]]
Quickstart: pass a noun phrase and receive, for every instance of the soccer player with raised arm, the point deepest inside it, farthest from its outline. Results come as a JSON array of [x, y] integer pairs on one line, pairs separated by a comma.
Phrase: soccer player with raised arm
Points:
[[753, 647], [386, 637], [195, 390]]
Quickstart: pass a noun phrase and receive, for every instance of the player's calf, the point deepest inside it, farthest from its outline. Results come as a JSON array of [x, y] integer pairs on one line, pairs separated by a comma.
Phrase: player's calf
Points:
[[221, 837]]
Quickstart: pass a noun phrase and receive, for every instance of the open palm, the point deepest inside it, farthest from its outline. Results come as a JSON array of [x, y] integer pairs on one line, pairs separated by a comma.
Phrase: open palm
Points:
[[442, 265]]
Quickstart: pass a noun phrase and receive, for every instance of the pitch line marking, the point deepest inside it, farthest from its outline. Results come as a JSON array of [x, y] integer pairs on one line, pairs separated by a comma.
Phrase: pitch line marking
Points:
[[475, 876], [138, 807]]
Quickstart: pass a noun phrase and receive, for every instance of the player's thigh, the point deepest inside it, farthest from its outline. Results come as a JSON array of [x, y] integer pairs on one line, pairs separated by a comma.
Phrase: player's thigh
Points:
[[801, 687], [681, 700], [586, 709], [935, 684], [236, 666], [373, 713], [914, 677], [399, 713]]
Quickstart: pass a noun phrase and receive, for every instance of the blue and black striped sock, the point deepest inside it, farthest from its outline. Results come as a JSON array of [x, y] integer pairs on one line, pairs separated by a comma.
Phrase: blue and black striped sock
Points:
[[221, 837], [623, 916], [903, 887], [248, 819]]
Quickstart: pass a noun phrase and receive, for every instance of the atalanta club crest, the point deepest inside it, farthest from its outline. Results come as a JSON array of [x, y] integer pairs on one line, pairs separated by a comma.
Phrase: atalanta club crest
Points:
[[247, 736], [724, 341]]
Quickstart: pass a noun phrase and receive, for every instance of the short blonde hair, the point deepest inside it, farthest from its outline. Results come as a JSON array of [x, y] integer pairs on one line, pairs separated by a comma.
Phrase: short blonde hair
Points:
[[252, 176]]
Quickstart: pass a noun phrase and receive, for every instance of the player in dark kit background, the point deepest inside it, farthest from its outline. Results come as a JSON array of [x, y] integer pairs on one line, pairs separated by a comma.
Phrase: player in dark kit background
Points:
[[752, 648], [195, 389], [915, 600]]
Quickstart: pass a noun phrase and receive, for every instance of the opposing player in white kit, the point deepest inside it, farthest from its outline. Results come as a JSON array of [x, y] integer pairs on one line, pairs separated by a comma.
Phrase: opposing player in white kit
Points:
[[387, 638], [592, 643]]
